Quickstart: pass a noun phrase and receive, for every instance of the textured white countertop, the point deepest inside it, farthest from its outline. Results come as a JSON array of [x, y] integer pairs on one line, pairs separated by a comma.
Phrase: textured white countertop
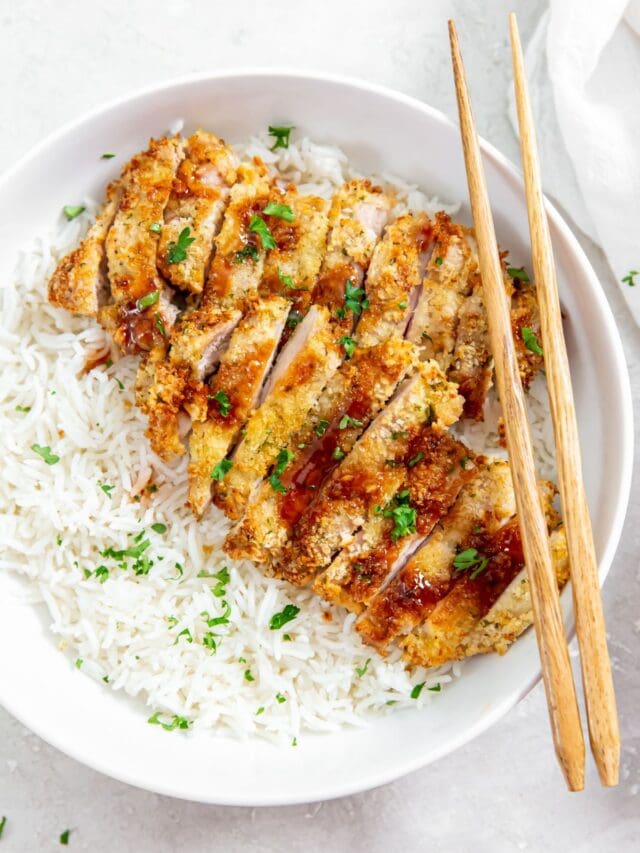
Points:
[[502, 792]]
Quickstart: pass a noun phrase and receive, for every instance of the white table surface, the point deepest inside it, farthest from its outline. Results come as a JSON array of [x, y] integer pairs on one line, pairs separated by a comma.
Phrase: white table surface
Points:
[[502, 792]]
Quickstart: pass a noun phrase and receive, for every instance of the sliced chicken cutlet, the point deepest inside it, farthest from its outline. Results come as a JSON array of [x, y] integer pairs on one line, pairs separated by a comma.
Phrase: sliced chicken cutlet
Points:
[[307, 360], [299, 227], [358, 214], [436, 467], [486, 501], [80, 282], [394, 277], [197, 202], [233, 395], [370, 475], [199, 337], [512, 613], [313, 354], [143, 313], [352, 399], [167, 385], [483, 570], [445, 287]]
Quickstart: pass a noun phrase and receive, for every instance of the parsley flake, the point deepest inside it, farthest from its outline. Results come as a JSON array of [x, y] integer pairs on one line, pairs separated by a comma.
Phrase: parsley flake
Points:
[[223, 467], [362, 669], [260, 227], [222, 399], [155, 227], [175, 723], [281, 618], [79, 663], [630, 278], [286, 280], [338, 453], [3, 822], [108, 156], [72, 210], [159, 527], [470, 559], [403, 514], [518, 274], [321, 427], [284, 457], [281, 136], [417, 690], [260, 711], [347, 421], [415, 459], [281, 211], [160, 325], [45, 452], [294, 319], [23, 408], [439, 262], [107, 489], [248, 676], [64, 837], [148, 300], [354, 300], [249, 251], [280, 698], [177, 252], [436, 688], [530, 341], [349, 345]]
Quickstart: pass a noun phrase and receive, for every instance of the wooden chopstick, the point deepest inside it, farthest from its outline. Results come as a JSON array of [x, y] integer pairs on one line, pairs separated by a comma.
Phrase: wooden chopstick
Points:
[[602, 716], [554, 655]]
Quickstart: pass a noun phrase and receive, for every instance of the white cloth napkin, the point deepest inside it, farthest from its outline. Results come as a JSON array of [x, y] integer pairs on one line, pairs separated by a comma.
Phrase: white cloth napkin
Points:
[[589, 134]]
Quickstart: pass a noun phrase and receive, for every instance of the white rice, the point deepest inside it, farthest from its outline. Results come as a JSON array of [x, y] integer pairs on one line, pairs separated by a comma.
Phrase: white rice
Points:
[[131, 630]]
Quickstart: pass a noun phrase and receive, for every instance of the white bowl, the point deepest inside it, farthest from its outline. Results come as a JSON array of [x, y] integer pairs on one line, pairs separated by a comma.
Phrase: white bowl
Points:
[[381, 131]]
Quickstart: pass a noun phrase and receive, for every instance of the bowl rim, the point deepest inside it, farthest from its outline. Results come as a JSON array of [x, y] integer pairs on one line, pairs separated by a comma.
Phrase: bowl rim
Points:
[[512, 174]]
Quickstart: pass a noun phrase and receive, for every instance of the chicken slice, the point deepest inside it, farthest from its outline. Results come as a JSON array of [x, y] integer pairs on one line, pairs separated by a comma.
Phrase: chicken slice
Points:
[[352, 399], [292, 267], [513, 612], [487, 500], [198, 199], [80, 282], [443, 635], [394, 277], [436, 468], [445, 287], [370, 475], [306, 363], [233, 394], [525, 314]]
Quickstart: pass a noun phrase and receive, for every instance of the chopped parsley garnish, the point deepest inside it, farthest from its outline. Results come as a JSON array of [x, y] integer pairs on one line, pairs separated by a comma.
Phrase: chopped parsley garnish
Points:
[[148, 300], [45, 452], [79, 663], [321, 427], [401, 434], [151, 489], [223, 467], [417, 690], [430, 414], [249, 251], [518, 273], [280, 698], [105, 678], [349, 345], [436, 688], [64, 836], [402, 304], [289, 612], [175, 723], [439, 261], [281, 136], [294, 319], [470, 560], [186, 633], [248, 676], [209, 642], [260, 227], [177, 252], [347, 421], [415, 459], [222, 577], [160, 324], [530, 340], [281, 211], [286, 280], [426, 336], [72, 210], [3, 822], [338, 453], [23, 408], [119, 383], [403, 515], [107, 489], [464, 461], [159, 527], [171, 621], [284, 457], [102, 573], [286, 638], [58, 540], [630, 278], [354, 300], [294, 742], [156, 227], [362, 669], [107, 156], [224, 406]]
